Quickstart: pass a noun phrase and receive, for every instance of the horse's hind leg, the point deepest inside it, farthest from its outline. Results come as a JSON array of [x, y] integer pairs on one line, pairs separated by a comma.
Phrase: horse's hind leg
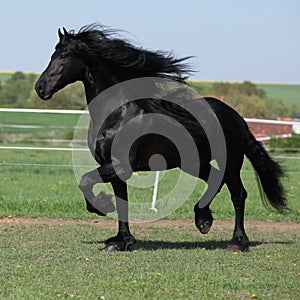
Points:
[[239, 241]]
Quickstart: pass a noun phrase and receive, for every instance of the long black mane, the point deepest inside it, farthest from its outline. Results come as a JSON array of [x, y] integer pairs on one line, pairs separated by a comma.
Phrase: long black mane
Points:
[[122, 55]]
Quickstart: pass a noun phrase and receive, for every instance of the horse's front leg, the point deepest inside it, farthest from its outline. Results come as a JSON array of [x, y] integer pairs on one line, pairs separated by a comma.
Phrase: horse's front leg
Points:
[[124, 240], [203, 218], [101, 204]]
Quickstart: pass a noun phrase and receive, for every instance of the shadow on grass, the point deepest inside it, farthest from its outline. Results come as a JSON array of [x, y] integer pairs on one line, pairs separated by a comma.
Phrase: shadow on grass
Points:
[[208, 245]]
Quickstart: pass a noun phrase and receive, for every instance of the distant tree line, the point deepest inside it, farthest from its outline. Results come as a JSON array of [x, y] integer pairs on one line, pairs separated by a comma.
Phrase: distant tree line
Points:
[[18, 91], [246, 98]]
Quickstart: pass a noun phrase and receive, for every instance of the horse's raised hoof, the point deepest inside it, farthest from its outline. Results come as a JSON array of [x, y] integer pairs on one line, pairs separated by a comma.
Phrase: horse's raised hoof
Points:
[[118, 243], [204, 226], [203, 219], [238, 245], [101, 205]]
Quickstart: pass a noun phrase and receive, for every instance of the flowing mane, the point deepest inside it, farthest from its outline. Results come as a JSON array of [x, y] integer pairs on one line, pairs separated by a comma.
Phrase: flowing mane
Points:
[[122, 55]]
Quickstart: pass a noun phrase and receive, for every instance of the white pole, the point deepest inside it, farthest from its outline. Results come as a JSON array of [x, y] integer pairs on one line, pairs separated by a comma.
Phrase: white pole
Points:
[[155, 192]]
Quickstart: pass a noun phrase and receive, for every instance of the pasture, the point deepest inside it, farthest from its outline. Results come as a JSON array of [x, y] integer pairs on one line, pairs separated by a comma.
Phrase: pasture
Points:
[[62, 259], [34, 128], [51, 247], [42, 184], [287, 93]]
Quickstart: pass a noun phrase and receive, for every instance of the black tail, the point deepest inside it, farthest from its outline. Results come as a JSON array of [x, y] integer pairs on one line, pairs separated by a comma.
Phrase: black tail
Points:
[[269, 174]]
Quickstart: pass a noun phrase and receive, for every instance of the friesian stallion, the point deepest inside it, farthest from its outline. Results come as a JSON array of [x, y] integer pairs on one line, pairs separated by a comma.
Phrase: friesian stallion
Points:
[[101, 60]]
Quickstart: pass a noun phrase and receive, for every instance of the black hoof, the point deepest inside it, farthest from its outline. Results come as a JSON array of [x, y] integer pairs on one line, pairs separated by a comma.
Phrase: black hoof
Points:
[[119, 244], [203, 219], [204, 226], [101, 205], [238, 245]]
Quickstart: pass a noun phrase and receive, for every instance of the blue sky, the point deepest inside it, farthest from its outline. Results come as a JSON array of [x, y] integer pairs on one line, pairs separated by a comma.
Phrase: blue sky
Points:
[[232, 40]]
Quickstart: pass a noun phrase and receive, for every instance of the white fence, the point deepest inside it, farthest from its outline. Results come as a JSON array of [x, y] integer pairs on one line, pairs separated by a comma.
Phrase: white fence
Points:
[[295, 124], [80, 112]]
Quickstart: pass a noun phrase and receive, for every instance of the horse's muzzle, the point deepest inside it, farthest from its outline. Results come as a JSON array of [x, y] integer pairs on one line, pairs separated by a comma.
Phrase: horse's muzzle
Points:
[[41, 90]]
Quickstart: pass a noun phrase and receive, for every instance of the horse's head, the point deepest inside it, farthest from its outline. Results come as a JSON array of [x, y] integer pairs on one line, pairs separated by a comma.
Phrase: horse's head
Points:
[[65, 67], [96, 57]]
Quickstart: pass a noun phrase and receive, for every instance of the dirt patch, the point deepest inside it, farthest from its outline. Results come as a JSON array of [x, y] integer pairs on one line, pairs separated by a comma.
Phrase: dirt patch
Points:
[[222, 224]]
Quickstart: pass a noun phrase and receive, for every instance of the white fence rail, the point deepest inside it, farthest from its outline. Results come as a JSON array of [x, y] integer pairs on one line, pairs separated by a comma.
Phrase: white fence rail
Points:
[[45, 111], [80, 112]]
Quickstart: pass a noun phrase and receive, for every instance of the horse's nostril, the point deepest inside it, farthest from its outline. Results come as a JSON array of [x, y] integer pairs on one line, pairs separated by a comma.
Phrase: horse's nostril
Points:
[[40, 87]]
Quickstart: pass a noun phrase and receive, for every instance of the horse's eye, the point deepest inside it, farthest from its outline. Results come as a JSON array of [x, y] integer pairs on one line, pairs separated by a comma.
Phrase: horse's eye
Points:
[[63, 55]]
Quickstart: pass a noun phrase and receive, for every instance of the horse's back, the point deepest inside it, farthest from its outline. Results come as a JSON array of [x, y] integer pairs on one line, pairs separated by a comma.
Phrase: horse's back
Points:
[[233, 124]]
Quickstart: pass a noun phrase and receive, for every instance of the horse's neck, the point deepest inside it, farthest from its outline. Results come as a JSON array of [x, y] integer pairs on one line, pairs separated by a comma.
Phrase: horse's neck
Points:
[[97, 78]]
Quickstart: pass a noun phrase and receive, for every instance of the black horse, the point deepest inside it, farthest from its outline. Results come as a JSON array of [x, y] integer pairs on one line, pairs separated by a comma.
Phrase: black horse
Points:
[[101, 60]]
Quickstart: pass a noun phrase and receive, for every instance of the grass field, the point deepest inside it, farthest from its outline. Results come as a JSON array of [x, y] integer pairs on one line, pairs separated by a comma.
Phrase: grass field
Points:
[[42, 121], [288, 93], [37, 129], [50, 247], [55, 259], [36, 183], [42, 183]]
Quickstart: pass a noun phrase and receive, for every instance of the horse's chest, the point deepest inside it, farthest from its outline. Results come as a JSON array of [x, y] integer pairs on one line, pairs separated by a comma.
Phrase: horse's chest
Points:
[[101, 143]]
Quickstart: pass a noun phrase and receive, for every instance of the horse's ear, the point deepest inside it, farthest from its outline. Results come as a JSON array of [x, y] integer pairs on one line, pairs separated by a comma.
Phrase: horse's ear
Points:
[[60, 35], [66, 33]]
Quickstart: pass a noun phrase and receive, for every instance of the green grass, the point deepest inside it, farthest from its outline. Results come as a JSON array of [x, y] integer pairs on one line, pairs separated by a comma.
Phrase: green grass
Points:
[[46, 121], [63, 258], [287, 93], [54, 261], [33, 183], [47, 189], [46, 127]]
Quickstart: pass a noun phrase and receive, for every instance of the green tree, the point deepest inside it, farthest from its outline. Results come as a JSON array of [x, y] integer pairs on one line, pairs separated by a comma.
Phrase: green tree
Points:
[[247, 99], [71, 97], [292, 142], [16, 90], [252, 106], [248, 88]]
